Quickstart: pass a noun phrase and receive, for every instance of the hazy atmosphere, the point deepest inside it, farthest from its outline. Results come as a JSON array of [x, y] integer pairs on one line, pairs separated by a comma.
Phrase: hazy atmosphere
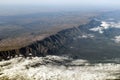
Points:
[[62, 2], [59, 39], [14, 7]]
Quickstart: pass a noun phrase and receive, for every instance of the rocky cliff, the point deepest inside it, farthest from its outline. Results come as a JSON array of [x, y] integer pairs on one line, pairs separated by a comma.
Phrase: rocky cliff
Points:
[[50, 45]]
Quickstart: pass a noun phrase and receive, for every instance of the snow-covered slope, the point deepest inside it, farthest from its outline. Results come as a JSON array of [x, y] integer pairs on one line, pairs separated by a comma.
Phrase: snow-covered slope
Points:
[[57, 68], [105, 25]]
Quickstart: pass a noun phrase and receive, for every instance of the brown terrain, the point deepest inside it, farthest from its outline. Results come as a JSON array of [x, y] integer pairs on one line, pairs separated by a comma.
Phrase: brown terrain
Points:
[[21, 32], [57, 22]]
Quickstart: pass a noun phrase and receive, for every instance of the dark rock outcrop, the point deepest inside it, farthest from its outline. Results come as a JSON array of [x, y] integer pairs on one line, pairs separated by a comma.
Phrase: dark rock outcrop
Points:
[[50, 45]]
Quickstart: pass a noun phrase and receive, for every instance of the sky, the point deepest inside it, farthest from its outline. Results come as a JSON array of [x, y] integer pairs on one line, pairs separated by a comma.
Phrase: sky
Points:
[[60, 2], [19, 6]]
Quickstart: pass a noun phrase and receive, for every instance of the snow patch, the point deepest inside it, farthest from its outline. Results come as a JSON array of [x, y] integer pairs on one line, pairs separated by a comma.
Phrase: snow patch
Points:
[[99, 29], [105, 25], [86, 36], [111, 19], [37, 69], [117, 39]]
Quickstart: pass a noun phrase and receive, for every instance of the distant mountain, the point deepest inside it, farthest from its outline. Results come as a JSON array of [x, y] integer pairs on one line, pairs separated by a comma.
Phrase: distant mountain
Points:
[[97, 40]]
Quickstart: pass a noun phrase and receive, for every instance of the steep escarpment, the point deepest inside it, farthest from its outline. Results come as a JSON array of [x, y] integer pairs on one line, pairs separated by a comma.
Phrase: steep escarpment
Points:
[[49, 45]]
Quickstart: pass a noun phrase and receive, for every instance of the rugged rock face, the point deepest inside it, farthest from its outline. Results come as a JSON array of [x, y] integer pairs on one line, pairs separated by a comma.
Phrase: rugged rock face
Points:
[[86, 40], [49, 45]]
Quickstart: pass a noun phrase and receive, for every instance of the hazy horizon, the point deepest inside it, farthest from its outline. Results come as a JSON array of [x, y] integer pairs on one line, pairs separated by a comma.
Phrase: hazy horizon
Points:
[[61, 2], [13, 7]]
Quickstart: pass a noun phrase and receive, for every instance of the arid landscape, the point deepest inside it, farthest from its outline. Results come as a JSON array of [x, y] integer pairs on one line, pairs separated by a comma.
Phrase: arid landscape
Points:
[[84, 52], [19, 31], [59, 40]]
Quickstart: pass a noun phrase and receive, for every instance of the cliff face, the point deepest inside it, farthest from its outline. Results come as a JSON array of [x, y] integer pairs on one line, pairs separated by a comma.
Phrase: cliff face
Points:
[[49, 45]]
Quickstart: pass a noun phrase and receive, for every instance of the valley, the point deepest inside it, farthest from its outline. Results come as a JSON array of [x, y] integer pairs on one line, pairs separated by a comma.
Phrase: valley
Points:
[[89, 50]]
